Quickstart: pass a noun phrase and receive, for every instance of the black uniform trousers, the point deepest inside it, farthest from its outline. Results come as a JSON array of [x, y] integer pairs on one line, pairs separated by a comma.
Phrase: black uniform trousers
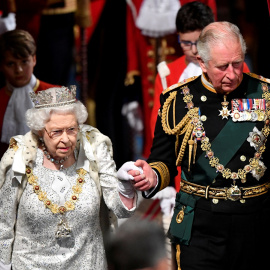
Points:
[[231, 241]]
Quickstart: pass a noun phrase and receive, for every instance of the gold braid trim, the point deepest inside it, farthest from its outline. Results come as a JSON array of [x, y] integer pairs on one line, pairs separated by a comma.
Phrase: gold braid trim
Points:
[[184, 126], [190, 127], [174, 101], [130, 80], [178, 252], [259, 77], [180, 127], [164, 173], [176, 145]]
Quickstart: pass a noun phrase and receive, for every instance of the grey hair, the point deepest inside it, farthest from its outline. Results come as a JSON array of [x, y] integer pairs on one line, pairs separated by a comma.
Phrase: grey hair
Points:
[[37, 118], [216, 33]]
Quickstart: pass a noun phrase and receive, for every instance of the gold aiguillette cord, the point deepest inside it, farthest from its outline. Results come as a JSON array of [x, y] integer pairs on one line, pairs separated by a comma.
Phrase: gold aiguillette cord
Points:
[[190, 148]]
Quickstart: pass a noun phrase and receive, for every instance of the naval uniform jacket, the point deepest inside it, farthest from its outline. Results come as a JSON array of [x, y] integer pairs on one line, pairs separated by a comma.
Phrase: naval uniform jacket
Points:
[[164, 150]]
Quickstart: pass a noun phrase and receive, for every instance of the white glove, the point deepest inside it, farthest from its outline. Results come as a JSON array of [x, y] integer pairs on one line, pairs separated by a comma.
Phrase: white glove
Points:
[[4, 266], [167, 200], [124, 185], [7, 23], [133, 114], [122, 173]]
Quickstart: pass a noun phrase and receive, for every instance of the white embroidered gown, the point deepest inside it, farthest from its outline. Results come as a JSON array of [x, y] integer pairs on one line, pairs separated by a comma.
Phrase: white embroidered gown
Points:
[[33, 245]]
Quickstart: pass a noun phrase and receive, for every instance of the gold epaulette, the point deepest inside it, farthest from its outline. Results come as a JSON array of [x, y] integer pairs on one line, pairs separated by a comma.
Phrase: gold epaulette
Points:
[[163, 172], [174, 86], [259, 77]]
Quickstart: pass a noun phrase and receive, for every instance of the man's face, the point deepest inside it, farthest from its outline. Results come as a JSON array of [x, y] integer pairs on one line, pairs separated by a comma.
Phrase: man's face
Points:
[[189, 50], [225, 69], [18, 71]]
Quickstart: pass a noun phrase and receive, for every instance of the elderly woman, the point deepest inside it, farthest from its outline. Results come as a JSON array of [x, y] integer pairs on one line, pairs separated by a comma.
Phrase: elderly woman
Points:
[[53, 184]]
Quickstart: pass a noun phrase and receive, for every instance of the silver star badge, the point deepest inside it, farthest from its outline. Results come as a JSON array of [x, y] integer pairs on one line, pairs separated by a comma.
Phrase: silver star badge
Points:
[[224, 112]]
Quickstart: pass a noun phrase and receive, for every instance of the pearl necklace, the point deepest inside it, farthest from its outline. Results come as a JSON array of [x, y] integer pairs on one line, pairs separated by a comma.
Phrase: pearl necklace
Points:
[[51, 159]]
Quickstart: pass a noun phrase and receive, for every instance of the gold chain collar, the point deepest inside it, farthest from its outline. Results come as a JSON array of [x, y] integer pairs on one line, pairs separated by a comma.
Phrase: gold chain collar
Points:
[[191, 120], [254, 163], [42, 196]]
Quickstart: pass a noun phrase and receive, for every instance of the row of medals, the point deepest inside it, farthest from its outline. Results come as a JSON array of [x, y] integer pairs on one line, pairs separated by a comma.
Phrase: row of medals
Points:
[[245, 115], [257, 115]]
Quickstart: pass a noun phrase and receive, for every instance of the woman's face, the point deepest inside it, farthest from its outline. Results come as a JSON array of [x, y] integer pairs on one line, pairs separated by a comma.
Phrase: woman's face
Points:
[[60, 135]]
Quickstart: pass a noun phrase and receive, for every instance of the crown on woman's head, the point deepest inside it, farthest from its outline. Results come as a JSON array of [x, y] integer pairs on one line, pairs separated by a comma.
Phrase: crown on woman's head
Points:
[[54, 97]]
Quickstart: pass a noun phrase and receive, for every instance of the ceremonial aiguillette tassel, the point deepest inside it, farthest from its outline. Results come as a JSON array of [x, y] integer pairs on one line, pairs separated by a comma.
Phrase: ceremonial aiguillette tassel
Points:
[[190, 148], [194, 151]]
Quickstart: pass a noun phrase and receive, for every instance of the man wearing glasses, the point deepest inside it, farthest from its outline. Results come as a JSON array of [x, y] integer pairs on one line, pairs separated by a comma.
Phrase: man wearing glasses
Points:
[[190, 20]]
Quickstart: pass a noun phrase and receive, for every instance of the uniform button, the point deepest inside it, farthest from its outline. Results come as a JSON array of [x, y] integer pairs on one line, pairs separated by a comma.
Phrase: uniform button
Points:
[[150, 104], [215, 201], [151, 91], [203, 98], [150, 53], [243, 158], [150, 65], [151, 78], [203, 118]]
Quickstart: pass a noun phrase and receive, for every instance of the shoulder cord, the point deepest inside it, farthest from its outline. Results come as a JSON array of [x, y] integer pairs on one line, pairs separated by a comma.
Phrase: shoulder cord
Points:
[[184, 126]]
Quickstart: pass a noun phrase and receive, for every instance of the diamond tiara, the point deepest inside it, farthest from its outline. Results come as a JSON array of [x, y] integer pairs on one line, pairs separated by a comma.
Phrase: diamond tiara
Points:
[[54, 97]]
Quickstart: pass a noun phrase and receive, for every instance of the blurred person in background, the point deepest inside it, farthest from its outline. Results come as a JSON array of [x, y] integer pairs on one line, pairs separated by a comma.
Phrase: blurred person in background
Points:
[[137, 246], [17, 62]]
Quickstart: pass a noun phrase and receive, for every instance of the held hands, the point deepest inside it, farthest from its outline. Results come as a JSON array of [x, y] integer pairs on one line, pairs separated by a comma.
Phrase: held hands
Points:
[[125, 186], [139, 174]]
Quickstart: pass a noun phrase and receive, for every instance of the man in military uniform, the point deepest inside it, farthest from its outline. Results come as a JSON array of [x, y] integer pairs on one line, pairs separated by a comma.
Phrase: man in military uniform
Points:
[[216, 127]]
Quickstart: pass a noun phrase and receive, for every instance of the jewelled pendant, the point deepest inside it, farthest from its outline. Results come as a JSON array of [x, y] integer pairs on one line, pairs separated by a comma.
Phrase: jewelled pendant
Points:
[[224, 112], [63, 229]]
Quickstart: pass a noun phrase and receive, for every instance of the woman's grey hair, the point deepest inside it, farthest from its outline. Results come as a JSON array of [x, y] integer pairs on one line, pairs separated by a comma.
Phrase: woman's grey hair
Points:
[[37, 118], [216, 33]]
